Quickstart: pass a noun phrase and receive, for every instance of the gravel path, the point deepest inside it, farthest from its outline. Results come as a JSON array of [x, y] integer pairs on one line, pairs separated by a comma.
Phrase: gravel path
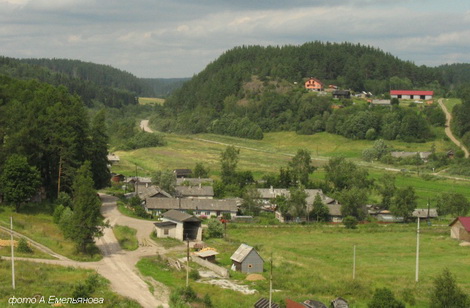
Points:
[[448, 130], [117, 265]]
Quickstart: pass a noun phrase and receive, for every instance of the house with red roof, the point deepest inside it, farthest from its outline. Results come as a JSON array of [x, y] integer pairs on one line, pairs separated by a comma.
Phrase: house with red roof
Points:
[[460, 229], [411, 94], [313, 84]]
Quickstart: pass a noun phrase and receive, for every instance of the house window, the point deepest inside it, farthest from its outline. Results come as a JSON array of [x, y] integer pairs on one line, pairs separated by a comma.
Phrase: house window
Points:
[[165, 231], [250, 265], [208, 213]]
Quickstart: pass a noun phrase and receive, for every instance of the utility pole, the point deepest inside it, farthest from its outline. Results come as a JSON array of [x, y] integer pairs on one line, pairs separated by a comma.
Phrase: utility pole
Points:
[[187, 261], [417, 253], [271, 282], [12, 254]]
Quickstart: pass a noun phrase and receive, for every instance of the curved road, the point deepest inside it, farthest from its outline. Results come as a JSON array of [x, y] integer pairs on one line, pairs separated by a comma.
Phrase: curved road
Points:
[[117, 265], [448, 130]]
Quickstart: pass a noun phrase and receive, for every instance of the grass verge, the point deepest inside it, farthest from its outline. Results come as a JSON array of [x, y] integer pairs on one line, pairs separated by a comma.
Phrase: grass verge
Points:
[[126, 237]]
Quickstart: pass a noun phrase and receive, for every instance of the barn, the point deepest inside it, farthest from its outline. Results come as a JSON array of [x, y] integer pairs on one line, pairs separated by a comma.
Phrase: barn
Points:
[[460, 229], [411, 94], [247, 260]]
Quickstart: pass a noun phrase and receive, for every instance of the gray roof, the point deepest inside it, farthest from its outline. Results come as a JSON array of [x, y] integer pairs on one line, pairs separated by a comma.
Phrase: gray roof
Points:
[[423, 213], [179, 216], [271, 193], [228, 205], [422, 155], [164, 224], [242, 252], [193, 181], [140, 179], [195, 191], [206, 253], [152, 191], [384, 102]]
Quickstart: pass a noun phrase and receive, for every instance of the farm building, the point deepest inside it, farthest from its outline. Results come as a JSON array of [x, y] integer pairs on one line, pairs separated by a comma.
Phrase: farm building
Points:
[[424, 213], [179, 225], [314, 84], [199, 207], [341, 94], [460, 229], [411, 94], [247, 260], [182, 173], [199, 191]]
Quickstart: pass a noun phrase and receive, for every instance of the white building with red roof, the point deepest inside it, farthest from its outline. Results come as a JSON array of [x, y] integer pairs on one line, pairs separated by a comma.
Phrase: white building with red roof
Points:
[[460, 229], [411, 94]]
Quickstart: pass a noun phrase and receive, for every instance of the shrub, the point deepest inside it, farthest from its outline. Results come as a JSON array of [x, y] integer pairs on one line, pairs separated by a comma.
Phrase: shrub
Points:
[[215, 228], [446, 292], [194, 274], [23, 246], [57, 213], [384, 298], [350, 222]]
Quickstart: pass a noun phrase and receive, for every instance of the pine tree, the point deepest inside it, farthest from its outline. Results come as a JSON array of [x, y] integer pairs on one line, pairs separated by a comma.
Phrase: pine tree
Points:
[[87, 221], [99, 151]]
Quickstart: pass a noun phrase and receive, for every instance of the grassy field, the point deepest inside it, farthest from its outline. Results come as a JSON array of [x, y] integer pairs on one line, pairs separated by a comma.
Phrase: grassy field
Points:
[[151, 101], [34, 279], [39, 227], [126, 237], [315, 262]]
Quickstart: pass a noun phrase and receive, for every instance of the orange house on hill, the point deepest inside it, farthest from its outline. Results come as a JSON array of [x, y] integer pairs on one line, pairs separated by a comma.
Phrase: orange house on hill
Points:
[[314, 84]]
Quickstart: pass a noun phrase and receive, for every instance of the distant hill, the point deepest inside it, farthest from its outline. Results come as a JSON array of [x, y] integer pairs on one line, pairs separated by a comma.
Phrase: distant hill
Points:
[[164, 87], [351, 66], [92, 82]]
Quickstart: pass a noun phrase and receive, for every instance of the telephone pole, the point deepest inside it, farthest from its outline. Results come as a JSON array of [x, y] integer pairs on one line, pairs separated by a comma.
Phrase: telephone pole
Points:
[[12, 254]]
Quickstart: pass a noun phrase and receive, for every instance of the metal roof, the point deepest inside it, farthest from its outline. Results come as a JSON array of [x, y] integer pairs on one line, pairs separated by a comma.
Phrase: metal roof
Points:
[[179, 216], [242, 252], [465, 221], [410, 92]]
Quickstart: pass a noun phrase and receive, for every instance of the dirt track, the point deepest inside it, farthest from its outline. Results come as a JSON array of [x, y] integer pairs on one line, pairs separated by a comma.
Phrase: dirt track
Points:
[[117, 265], [448, 130]]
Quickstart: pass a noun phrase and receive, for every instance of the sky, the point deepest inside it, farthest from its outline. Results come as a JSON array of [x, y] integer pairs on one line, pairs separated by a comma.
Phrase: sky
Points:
[[178, 38]]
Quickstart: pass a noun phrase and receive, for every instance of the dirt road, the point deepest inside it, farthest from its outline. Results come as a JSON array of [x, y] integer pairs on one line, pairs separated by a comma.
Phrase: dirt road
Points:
[[448, 130], [117, 265], [144, 125]]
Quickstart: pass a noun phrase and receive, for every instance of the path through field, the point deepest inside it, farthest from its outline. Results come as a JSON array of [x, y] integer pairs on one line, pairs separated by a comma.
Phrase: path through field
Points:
[[448, 130], [117, 265]]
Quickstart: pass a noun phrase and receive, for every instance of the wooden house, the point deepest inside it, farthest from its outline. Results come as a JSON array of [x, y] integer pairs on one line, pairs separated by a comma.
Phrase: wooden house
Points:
[[460, 229], [247, 260], [314, 84], [199, 207], [341, 94]]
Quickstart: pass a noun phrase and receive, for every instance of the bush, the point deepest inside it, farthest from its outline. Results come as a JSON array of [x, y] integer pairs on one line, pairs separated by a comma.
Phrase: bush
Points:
[[446, 292], [384, 298], [350, 222], [215, 229], [23, 246], [57, 213], [194, 274]]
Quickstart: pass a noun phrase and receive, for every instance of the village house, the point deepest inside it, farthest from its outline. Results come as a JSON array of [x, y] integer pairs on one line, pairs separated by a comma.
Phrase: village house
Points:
[[424, 213], [314, 84], [341, 94], [182, 173], [269, 194], [198, 192], [193, 181], [198, 207], [247, 260], [411, 94], [381, 102], [113, 158], [179, 225], [460, 229]]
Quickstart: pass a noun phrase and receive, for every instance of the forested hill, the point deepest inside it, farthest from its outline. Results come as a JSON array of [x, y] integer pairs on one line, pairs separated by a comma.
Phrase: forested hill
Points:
[[163, 87], [350, 66], [94, 83]]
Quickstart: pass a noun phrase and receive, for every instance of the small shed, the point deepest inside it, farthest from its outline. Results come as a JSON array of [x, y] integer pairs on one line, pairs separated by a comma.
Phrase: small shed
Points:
[[179, 225], [460, 229], [182, 173], [207, 254], [339, 302], [247, 260]]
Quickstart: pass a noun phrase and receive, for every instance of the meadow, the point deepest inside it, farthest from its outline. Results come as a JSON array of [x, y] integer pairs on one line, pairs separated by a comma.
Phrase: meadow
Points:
[[316, 262]]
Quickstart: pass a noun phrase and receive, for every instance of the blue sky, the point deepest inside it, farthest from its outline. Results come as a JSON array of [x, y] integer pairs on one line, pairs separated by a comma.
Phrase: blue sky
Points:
[[178, 38]]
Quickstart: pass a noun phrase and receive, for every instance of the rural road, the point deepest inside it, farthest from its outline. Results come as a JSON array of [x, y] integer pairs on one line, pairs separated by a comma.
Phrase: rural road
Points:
[[117, 265], [448, 130], [144, 125]]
